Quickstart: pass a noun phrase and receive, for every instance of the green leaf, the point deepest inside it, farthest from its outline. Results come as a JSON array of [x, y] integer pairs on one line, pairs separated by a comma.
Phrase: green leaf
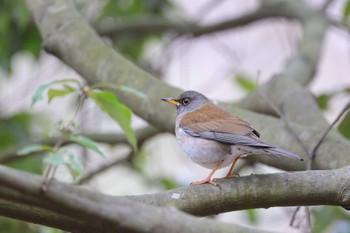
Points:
[[138, 162], [86, 142], [54, 158], [245, 83], [31, 164], [346, 13], [75, 168], [323, 100], [344, 126], [168, 183], [109, 103], [38, 94], [52, 93], [34, 148], [252, 216]]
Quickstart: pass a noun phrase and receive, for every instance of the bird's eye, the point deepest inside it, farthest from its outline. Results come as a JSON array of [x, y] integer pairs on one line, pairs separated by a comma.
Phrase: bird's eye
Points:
[[185, 101]]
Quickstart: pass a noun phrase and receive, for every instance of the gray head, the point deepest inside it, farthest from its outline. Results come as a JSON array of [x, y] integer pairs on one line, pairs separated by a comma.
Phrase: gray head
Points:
[[188, 101]]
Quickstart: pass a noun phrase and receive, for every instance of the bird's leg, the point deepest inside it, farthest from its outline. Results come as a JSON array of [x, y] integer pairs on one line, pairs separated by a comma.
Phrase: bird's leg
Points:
[[208, 179], [230, 174]]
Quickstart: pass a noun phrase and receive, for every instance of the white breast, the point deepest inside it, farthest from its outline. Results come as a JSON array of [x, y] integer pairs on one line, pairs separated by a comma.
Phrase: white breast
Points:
[[206, 153]]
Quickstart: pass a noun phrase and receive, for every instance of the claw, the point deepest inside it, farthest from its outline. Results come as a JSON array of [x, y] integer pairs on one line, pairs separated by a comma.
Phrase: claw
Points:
[[204, 182]]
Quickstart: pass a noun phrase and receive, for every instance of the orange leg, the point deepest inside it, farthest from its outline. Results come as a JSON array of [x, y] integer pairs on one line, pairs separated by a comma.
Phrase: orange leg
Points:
[[230, 174], [208, 179]]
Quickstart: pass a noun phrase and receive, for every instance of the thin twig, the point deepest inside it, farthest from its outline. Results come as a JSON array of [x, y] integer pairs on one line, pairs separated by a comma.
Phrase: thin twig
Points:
[[127, 160], [284, 119], [308, 220], [326, 4], [313, 152], [51, 169], [99, 170], [294, 215]]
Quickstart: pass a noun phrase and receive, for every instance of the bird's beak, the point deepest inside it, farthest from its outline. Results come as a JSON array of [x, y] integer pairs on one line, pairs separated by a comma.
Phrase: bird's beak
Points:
[[171, 101]]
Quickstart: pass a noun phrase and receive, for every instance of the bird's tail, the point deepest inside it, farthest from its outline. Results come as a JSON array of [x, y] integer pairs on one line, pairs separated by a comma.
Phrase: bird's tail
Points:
[[280, 151]]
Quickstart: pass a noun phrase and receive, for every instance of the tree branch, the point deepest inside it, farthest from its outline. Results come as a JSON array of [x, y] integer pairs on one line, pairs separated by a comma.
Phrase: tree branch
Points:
[[267, 10], [108, 138], [326, 187], [123, 215]]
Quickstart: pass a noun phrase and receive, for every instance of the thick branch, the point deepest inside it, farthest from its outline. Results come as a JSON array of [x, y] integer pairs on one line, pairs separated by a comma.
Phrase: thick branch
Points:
[[74, 208], [45, 217], [323, 187], [80, 205]]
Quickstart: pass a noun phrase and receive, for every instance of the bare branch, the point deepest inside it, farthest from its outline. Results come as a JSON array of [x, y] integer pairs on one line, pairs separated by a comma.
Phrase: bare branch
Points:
[[123, 215], [108, 138], [324, 135], [90, 174], [329, 187], [273, 9]]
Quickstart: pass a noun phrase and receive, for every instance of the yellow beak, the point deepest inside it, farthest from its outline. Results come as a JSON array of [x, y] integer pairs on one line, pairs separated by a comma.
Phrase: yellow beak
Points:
[[171, 101]]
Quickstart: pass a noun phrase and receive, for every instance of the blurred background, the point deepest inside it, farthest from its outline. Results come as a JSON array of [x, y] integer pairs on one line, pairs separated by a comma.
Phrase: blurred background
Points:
[[224, 66]]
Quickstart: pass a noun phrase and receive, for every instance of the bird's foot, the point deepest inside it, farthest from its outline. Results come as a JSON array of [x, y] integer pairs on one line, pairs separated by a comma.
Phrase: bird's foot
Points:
[[233, 175], [207, 180]]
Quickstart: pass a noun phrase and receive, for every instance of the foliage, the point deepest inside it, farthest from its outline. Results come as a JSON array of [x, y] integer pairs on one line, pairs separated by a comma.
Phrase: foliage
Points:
[[323, 101], [52, 93], [346, 13], [344, 126], [252, 216], [330, 217], [133, 44], [324, 98], [168, 183], [107, 101], [245, 83], [14, 130], [18, 33], [8, 225]]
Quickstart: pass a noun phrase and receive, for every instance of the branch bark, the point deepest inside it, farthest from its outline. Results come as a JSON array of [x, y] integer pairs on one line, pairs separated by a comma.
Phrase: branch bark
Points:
[[79, 205]]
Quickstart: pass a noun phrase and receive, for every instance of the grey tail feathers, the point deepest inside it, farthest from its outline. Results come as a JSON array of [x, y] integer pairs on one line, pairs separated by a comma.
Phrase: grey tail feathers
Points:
[[282, 152]]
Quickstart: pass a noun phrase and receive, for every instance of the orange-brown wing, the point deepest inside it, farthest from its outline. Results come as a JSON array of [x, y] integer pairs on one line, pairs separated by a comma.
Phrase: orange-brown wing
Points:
[[214, 123], [213, 118]]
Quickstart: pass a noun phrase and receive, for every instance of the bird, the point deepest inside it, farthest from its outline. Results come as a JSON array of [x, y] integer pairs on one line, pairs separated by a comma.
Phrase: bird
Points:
[[214, 138]]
